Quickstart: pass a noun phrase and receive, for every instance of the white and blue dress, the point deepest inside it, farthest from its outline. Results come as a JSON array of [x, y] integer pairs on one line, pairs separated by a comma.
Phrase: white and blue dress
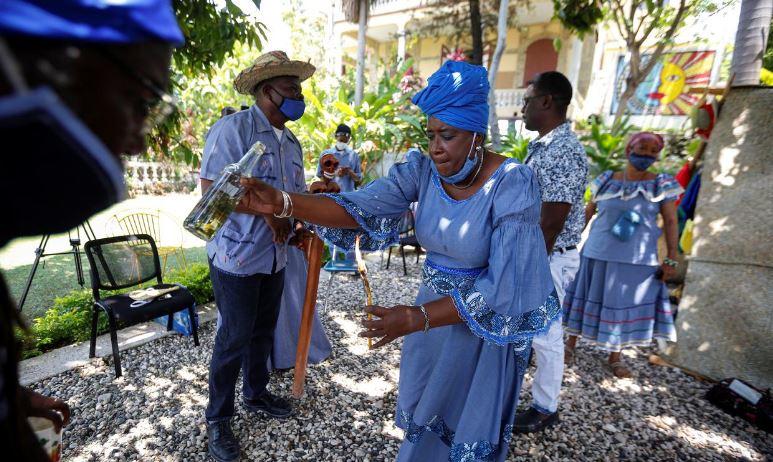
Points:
[[459, 384], [616, 300]]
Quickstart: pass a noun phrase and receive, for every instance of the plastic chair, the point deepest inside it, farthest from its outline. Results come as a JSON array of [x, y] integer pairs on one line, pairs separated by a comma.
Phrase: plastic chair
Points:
[[150, 222], [407, 237], [121, 262], [335, 267]]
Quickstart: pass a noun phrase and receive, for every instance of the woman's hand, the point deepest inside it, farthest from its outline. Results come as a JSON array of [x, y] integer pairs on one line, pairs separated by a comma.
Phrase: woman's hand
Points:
[[392, 324], [669, 272], [261, 197], [301, 234], [53, 409], [280, 228]]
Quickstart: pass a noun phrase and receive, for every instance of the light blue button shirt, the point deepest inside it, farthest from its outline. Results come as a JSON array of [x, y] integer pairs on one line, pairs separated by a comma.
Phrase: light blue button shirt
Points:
[[346, 158], [243, 246]]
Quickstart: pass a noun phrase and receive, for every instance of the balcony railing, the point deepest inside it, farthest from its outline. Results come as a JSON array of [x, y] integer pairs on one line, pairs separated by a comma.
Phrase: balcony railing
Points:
[[510, 98]]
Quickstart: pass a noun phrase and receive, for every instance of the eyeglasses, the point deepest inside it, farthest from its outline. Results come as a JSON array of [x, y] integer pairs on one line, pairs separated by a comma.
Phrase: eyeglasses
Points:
[[528, 99], [155, 110], [329, 163]]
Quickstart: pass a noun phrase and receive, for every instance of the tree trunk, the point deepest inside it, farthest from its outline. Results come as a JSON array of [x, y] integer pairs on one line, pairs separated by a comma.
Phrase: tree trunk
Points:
[[622, 103], [492, 72], [750, 37], [477, 32], [359, 86]]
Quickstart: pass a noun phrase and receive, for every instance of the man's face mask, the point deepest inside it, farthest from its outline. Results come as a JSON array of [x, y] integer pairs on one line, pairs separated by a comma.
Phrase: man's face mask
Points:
[[291, 108], [57, 172]]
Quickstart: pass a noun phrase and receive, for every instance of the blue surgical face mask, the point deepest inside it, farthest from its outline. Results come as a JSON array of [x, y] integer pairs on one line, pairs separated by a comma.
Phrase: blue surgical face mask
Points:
[[641, 162], [465, 171], [293, 109]]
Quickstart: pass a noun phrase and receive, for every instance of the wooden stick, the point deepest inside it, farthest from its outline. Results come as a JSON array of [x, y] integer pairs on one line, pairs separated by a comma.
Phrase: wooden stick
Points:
[[314, 256], [363, 270]]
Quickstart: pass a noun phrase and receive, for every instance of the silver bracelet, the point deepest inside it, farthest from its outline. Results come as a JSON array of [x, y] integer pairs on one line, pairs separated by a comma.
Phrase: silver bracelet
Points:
[[287, 206], [426, 318]]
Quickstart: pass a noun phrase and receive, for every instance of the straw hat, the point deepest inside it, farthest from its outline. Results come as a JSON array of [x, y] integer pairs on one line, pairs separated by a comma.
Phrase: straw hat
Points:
[[270, 65]]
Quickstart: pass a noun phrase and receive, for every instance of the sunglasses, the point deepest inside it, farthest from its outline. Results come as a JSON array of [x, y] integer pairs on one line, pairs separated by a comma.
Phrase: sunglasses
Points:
[[329, 163]]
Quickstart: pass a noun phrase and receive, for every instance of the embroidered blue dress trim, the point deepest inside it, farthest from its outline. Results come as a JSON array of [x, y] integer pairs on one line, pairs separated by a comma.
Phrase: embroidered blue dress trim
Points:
[[460, 452], [480, 318], [377, 233], [664, 186], [502, 329]]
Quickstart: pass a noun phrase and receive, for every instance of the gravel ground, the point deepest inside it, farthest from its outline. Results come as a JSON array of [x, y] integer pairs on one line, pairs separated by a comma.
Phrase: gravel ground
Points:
[[155, 411]]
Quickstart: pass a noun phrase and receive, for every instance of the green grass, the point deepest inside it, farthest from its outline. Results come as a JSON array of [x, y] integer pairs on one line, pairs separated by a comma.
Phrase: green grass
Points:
[[55, 277]]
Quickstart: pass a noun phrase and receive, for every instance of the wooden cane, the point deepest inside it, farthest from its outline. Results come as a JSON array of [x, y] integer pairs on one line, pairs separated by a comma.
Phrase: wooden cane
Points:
[[314, 256]]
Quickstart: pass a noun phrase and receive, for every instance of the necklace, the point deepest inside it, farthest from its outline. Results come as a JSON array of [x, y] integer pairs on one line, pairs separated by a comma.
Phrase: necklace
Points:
[[474, 177]]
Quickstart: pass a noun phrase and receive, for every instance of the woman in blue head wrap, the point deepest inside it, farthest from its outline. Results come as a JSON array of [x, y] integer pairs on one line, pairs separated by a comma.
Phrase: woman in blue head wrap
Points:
[[486, 287]]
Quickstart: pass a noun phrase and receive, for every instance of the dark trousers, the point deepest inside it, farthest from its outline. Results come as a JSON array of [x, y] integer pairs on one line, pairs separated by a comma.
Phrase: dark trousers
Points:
[[248, 307]]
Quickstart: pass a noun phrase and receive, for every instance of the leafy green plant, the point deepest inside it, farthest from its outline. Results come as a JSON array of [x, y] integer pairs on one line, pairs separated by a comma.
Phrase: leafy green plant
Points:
[[69, 319], [216, 34], [604, 145], [515, 145], [385, 123]]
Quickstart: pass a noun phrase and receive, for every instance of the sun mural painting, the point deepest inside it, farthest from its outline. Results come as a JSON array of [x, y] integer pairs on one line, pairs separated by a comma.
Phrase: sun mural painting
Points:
[[665, 91]]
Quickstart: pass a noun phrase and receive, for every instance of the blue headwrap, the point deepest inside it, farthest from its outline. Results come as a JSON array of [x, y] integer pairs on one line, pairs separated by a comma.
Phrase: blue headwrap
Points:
[[457, 94], [111, 21]]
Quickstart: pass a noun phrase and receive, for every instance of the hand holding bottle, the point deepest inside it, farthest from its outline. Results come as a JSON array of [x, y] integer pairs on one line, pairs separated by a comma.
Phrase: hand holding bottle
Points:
[[260, 197]]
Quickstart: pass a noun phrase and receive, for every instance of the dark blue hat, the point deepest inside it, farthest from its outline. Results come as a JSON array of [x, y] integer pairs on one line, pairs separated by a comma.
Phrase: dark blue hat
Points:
[[102, 21]]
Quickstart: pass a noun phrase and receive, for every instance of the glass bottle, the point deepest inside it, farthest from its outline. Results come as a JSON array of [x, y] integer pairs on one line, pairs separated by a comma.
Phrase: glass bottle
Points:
[[221, 198]]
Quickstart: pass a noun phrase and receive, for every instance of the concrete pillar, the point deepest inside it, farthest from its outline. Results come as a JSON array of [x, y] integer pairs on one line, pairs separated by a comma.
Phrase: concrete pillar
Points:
[[575, 60], [725, 321], [401, 42]]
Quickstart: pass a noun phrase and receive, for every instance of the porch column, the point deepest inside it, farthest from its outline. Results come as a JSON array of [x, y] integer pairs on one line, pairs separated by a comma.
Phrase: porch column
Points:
[[575, 61], [401, 42]]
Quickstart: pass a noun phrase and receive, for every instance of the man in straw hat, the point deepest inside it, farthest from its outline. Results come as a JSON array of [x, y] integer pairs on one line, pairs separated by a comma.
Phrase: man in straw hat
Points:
[[248, 255]]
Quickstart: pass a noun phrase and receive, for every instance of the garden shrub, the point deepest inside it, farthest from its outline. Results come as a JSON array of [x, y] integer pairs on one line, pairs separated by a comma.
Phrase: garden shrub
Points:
[[69, 319]]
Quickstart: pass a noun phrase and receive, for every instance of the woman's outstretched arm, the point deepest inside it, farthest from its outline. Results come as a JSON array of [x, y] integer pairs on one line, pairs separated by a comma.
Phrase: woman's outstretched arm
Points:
[[310, 208]]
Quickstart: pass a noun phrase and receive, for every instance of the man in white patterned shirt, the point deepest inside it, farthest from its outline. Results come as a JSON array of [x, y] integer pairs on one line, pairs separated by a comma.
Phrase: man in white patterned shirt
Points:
[[561, 166]]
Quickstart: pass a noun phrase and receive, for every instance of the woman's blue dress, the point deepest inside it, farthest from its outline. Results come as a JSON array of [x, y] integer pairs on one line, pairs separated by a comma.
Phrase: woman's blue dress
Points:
[[459, 384], [616, 300]]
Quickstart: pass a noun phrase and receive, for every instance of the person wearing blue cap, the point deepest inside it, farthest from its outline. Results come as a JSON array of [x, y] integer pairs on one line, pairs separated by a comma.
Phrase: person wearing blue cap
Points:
[[486, 288], [78, 81]]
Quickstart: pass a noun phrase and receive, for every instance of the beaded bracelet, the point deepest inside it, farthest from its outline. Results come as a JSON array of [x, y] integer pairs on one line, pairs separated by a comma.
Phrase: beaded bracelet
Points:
[[670, 262]]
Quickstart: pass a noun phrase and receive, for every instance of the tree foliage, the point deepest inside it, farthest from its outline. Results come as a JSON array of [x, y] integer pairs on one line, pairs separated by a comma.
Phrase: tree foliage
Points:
[[453, 19], [212, 35], [647, 27], [385, 124], [580, 16]]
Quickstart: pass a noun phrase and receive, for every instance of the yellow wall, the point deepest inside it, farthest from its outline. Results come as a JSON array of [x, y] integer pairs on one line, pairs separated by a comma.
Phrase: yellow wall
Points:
[[426, 52]]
